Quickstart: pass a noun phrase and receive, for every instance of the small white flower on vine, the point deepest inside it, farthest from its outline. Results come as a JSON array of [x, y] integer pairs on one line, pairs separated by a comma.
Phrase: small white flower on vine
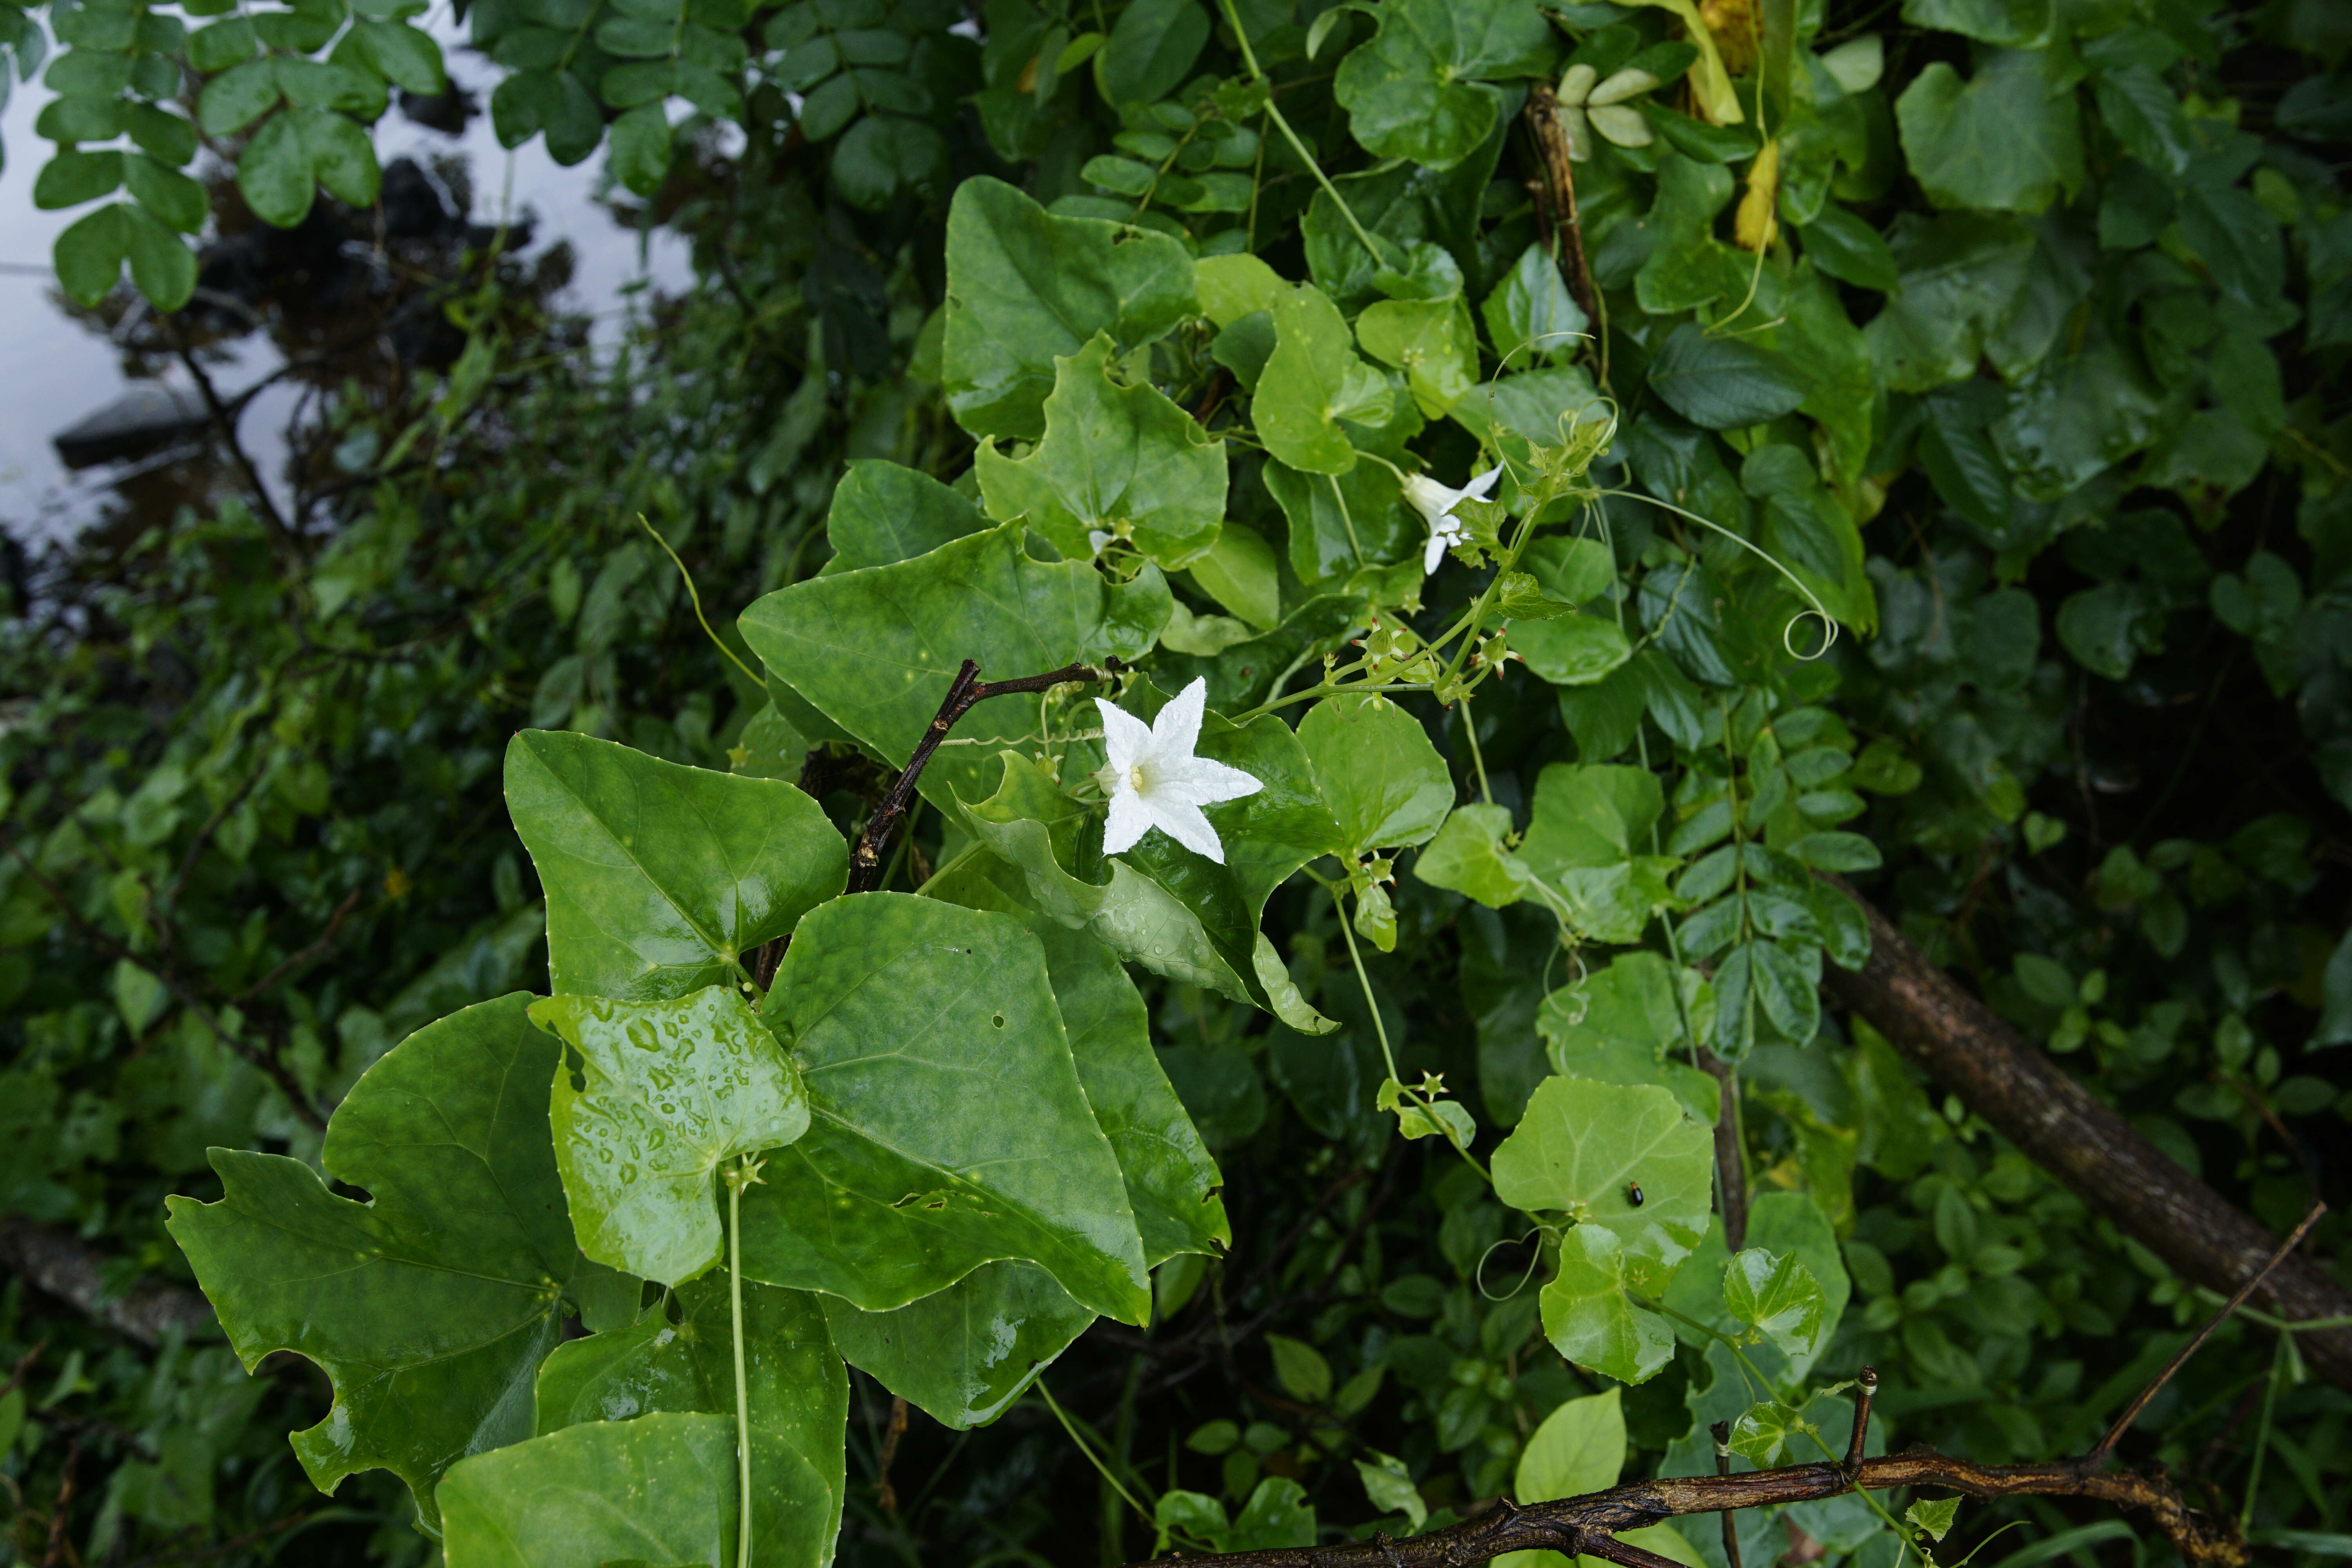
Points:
[[1435, 503], [1098, 537], [1155, 781]]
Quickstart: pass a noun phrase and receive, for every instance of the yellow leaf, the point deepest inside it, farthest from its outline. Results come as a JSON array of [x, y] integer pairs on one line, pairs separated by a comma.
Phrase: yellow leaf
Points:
[[1754, 226], [1709, 79]]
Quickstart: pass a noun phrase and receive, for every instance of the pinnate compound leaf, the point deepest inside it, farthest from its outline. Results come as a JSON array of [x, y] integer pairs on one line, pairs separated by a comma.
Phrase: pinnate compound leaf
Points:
[[966, 1352], [89, 254], [666, 1092], [875, 650], [431, 1306], [1025, 288], [799, 1396], [948, 1127], [1590, 1319], [1414, 92], [660, 1490], [1377, 771], [659, 876], [1115, 460], [1585, 1148], [1777, 1296]]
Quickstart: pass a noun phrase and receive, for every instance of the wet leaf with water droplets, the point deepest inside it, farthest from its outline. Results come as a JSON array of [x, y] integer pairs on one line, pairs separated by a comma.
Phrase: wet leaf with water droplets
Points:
[[669, 1090]]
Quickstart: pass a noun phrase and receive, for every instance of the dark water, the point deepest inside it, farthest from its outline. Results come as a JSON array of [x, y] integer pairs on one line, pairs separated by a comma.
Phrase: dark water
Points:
[[58, 366]]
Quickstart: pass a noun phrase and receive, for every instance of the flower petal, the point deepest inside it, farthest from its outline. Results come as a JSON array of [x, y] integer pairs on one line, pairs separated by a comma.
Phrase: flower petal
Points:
[[1478, 487], [1185, 825], [1197, 781], [1131, 819], [1434, 553], [1125, 736], [1178, 729]]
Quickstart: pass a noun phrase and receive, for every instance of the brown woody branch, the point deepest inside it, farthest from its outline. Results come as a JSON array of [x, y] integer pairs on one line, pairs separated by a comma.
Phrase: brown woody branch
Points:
[[966, 690], [1556, 196], [1590, 1524], [2038, 1106], [74, 1272]]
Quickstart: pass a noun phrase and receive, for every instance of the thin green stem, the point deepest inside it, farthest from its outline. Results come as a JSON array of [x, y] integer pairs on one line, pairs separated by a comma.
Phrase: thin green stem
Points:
[[1340, 496], [2262, 1437], [696, 599], [1249, 58], [1829, 622], [1087, 1449], [735, 1180], [1477, 757], [1379, 1026], [953, 863]]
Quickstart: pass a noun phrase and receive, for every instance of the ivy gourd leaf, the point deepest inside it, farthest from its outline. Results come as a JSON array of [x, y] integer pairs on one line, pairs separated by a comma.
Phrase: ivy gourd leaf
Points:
[[1616, 1025], [898, 1009], [658, 876], [1572, 650], [1789, 1225], [1121, 460], [2010, 140], [1590, 1318], [1766, 1433], [2008, 22], [798, 1391], [1531, 317], [875, 651], [1377, 771], [659, 1490], [1585, 1148], [1776, 1297], [1171, 1180], [1470, 857], [1024, 288], [1432, 341], [430, 1307], [1033, 826], [966, 1352], [1578, 1448], [1312, 381], [1415, 90], [1339, 525], [1724, 384], [1959, 274], [662, 1092], [1590, 813], [883, 512]]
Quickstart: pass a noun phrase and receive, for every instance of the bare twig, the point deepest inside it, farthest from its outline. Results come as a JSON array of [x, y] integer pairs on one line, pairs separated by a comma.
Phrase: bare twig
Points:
[[896, 1430], [1556, 195], [22, 1368], [1730, 1170], [75, 1273], [2131, 1412], [58, 1544], [1865, 1390], [224, 419], [1721, 1432], [265, 1062], [963, 692], [294, 961]]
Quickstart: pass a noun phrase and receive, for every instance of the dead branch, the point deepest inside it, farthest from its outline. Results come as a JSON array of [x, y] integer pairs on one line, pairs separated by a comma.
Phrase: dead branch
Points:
[[2038, 1106], [966, 690], [1556, 196], [72, 1270]]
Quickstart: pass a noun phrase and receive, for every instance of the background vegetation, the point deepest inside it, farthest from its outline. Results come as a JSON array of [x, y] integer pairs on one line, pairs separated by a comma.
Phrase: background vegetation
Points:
[[2020, 331]]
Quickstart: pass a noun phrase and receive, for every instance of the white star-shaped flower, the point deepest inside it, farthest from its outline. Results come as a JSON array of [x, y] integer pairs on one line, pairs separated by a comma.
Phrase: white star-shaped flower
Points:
[[1155, 781], [1435, 503]]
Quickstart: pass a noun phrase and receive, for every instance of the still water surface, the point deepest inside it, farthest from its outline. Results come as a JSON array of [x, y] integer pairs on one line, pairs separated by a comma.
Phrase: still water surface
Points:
[[54, 369]]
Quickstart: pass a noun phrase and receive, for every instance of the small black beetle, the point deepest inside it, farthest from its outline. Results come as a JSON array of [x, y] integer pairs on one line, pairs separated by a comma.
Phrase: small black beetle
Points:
[[1633, 1194]]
